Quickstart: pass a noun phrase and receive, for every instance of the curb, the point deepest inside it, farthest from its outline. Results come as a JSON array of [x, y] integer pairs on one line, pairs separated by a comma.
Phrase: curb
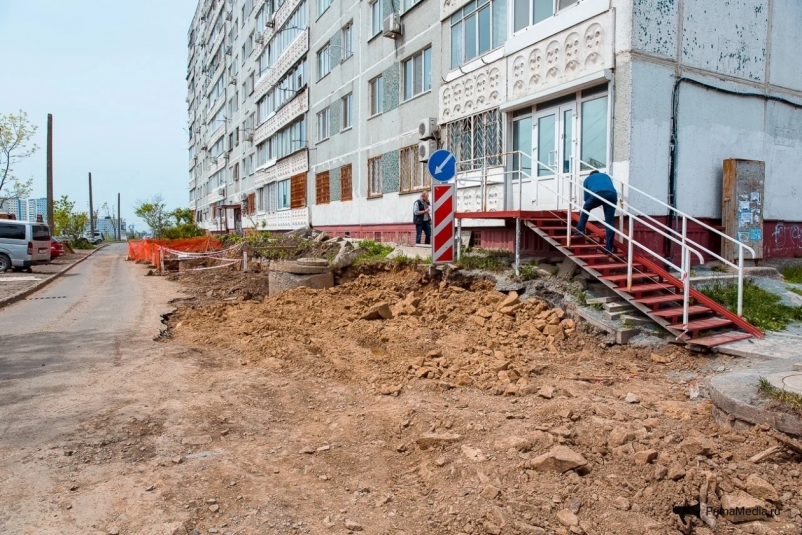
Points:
[[38, 286]]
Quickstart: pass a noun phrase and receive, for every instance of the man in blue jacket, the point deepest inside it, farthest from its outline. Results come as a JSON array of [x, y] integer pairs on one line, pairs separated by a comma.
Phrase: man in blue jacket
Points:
[[602, 185]]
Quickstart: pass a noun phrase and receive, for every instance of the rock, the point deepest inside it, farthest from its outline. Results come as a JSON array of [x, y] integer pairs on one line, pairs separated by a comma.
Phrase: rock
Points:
[[676, 472], [558, 459], [490, 492], [214, 508], [660, 472], [308, 450], [741, 507], [573, 505], [697, 445], [440, 461], [567, 518], [632, 398], [511, 300], [546, 392], [528, 528], [660, 359], [430, 440], [473, 454], [621, 503], [760, 488], [554, 330], [491, 528], [353, 526], [645, 457], [479, 321], [323, 236], [114, 531], [377, 312], [620, 436], [150, 488], [197, 440]]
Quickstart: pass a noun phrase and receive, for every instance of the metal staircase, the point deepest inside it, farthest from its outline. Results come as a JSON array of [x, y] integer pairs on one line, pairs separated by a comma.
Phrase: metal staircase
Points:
[[651, 284]]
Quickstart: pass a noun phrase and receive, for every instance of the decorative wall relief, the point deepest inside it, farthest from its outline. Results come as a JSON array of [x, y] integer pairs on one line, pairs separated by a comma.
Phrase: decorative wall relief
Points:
[[475, 92], [562, 58]]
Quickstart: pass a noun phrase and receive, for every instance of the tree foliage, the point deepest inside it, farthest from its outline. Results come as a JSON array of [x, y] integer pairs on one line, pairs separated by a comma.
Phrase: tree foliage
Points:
[[15, 135], [164, 224], [68, 223]]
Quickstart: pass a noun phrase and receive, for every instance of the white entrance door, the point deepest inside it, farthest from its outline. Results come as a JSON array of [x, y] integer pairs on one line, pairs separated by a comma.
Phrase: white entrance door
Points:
[[553, 144]]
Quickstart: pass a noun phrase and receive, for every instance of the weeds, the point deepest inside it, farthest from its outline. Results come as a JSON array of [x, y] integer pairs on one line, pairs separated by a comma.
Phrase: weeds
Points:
[[793, 274], [485, 260], [579, 294], [529, 272], [718, 268], [374, 252], [797, 291], [794, 401], [761, 308]]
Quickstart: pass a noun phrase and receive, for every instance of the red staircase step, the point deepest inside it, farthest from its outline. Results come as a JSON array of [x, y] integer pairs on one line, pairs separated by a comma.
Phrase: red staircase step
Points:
[[650, 287], [587, 257], [677, 312], [700, 325], [635, 276], [615, 265], [719, 339], [660, 299]]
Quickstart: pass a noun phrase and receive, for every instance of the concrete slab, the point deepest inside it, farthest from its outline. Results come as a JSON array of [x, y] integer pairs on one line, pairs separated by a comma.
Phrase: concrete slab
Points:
[[788, 381], [773, 346], [411, 251]]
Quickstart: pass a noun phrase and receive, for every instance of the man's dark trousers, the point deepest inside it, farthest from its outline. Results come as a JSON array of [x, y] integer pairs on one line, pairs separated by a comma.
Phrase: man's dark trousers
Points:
[[609, 214], [426, 228]]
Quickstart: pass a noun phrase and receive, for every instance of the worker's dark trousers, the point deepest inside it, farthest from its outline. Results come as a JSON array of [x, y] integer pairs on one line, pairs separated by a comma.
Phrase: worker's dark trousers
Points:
[[609, 214]]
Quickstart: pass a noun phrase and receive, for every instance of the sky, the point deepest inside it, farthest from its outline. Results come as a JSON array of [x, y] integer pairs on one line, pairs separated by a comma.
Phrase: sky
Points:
[[112, 73]]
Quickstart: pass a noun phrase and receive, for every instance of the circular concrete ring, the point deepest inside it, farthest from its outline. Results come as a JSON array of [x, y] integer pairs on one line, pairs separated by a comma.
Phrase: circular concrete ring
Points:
[[298, 269]]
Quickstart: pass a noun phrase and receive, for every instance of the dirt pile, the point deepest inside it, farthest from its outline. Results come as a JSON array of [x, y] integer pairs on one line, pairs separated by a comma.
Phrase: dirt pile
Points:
[[473, 412]]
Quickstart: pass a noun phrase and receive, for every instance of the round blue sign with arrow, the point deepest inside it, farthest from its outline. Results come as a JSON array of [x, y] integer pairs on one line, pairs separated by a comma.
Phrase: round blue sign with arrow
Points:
[[442, 165]]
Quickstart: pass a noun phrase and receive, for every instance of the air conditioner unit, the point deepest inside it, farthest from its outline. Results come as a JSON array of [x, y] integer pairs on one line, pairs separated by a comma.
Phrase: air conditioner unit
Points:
[[249, 137], [232, 80], [427, 129], [272, 22], [229, 15], [426, 149], [228, 50], [392, 26], [260, 39], [221, 190], [243, 197]]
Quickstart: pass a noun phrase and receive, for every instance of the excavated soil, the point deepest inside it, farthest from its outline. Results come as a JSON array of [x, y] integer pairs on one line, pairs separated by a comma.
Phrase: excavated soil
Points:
[[398, 404]]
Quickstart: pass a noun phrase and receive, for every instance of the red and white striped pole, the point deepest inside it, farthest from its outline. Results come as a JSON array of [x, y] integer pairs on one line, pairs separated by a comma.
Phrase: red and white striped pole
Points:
[[444, 202]]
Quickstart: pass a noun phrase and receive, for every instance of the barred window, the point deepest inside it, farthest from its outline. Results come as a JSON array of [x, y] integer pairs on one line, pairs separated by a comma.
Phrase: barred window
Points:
[[476, 140], [375, 176], [322, 192], [346, 191], [413, 173]]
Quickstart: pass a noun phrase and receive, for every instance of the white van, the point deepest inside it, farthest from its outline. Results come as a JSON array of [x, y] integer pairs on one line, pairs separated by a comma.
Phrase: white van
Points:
[[23, 244]]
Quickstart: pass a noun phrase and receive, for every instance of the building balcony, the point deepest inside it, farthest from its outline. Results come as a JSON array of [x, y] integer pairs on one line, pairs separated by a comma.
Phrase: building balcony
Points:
[[283, 220], [285, 168], [293, 53], [284, 116]]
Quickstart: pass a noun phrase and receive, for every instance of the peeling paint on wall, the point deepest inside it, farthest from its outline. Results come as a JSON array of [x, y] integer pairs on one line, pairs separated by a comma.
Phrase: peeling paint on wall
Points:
[[654, 26]]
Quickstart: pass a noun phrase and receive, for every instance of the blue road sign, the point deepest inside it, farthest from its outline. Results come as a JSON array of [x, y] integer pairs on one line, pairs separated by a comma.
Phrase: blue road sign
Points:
[[442, 165]]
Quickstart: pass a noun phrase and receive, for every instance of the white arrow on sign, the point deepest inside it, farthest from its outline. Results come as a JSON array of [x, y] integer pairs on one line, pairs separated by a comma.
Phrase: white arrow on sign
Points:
[[439, 169]]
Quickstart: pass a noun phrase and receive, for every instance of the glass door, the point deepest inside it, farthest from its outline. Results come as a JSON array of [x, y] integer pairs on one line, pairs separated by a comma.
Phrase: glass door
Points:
[[553, 144]]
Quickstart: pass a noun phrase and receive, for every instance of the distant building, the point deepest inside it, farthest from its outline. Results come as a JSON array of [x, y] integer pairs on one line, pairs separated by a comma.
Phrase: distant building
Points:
[[106, 226], [26, 209]]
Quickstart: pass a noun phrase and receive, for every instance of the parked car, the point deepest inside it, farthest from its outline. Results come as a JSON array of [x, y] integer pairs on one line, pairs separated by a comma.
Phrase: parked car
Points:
[[23, 244], [56, 248], [97, 239]]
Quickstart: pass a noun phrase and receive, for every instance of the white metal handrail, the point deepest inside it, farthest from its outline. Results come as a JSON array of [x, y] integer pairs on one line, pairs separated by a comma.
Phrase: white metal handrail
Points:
[[685, 218]]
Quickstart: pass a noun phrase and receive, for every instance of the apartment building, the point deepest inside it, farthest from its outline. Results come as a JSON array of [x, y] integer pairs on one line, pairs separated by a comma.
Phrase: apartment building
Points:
[[26, 209], [656, 93]]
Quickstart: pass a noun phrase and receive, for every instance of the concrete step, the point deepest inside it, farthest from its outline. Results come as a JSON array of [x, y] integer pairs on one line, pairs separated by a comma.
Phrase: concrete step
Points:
[[637, 319], [618, 306], [603, 300]]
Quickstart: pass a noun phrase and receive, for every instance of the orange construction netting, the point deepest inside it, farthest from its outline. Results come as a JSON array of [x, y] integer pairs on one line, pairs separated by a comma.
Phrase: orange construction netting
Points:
[[148, 250]]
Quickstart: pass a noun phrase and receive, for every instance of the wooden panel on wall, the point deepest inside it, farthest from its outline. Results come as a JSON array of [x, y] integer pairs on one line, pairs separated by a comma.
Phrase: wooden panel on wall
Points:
[[742, 203], [298, 191]]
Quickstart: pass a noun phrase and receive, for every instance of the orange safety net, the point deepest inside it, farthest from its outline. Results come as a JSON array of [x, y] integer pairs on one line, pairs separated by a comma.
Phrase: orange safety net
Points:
[[148, 250]]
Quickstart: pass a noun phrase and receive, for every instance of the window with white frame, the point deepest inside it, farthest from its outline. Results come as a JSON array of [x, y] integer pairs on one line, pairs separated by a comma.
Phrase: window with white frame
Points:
[[323, 124], [376, 96], [529, 12], [348, 41], [283, 195], [262, 112], [418, 74], [260, 200], [324, 61], [475, 139], [322, 6], [287, 88], [406, 5], [294, 25], [288, 140], [261, 18], [249, 45], [376, 17], [413, 172], [262, 153], [476, 29], [218, 89], [218, 147], [263, 63], [375, 176], [347, 110]]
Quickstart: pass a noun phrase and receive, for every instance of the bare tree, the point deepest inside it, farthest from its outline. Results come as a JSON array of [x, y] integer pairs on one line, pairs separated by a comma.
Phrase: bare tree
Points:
[[15, 134]]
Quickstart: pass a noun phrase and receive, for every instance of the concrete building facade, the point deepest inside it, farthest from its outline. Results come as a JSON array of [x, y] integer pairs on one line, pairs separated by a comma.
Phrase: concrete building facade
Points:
[[26, 209], [655, 92]]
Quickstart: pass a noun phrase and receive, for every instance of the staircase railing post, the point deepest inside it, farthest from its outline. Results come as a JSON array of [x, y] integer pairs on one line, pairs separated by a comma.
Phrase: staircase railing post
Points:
[[459, 239], [517, 246], [630, 252], [740, 281], [686, 287], [484, 185]]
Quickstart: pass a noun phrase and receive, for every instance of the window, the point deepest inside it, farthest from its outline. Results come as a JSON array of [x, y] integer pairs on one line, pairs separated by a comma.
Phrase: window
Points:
[[12, 231], [322, 6], [323, 61], [261, 110], [248, 7], [346, 191], [406, 5], [347, 107], [262, 63], [323, 125], [413, 173], [262, 152], [217, 148], [236, 171], [218, 89], [231, 141], [348, 40], [477, 28], [298, 191], [375, 176], [322, 195], [594, 133], [261, 22], [287, 140], [475, 139], [283, 195], [250, 81], [295, 24], [376, 96], [286, 89], [260, 200], [418, 74], [528, 12], [376, 17], [248, 46]]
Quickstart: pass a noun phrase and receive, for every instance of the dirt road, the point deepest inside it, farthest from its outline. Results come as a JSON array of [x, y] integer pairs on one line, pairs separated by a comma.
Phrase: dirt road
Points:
[[299, 414]]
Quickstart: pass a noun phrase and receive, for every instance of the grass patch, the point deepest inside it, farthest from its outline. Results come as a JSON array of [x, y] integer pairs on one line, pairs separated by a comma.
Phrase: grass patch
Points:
[[374, 252], [794, 401], [579, 294], [718, 268], [793, 274], [529, 272], [761, 308], [797, 291], [485, 260]]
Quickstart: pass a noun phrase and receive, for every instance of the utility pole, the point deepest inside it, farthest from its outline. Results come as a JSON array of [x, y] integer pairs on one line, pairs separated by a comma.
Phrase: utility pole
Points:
[[119, 220], [91, 212], [50, 170]]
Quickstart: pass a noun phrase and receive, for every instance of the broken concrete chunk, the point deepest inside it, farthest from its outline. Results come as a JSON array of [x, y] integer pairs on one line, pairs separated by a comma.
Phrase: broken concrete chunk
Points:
[[741, 507], [378, 311], [760, 488]]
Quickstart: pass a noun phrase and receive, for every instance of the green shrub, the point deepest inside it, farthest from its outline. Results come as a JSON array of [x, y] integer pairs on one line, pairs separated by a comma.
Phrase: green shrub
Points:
[[374, 252], [761, 308]]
